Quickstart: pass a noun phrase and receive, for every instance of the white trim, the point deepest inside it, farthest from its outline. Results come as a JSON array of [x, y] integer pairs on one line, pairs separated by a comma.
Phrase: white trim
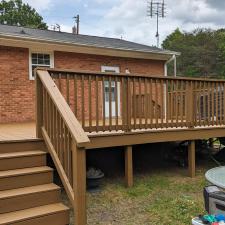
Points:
[[31, 51]]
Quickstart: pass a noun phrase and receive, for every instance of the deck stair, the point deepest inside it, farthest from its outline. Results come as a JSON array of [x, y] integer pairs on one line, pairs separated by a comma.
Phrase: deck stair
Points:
[[27, 192]]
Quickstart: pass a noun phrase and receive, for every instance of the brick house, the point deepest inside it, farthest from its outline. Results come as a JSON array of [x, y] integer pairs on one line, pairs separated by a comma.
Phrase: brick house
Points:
[[22, 49]]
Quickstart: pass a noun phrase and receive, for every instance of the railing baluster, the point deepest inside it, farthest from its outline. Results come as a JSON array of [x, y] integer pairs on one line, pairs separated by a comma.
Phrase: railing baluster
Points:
[[90, 102], [82, 101], [167, 103], [221, 103], [162, 101], [182, 102], [117, 102], [156, 103], [128, 104], [199, 103], [140, 103], [68, 88], [103, 108], [134, 102], [216, 95], [60, 84], [75, 95], [172, 103], [176, 103], [110, 103], [97, 103], [208, 103], [150, 104], [204, 104], [146, 103], [213, 101]]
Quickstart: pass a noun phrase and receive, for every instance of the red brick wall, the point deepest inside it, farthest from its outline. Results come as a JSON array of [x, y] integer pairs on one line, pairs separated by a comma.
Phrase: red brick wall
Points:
[[17, 101], [93, 63], [16, 90]]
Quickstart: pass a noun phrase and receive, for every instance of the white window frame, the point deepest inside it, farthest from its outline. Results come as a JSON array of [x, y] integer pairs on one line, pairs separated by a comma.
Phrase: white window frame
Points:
[[33, 51], [114, 69]]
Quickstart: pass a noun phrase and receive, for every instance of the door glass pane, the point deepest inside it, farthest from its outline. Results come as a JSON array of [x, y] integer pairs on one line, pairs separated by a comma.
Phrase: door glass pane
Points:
[[113, 89]]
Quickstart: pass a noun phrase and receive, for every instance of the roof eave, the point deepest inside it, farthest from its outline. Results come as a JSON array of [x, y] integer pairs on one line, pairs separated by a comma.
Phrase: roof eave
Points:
[[163, 55]]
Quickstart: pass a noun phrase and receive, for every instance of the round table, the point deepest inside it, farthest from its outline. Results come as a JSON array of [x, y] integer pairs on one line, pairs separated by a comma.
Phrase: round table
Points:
[[216, 176]]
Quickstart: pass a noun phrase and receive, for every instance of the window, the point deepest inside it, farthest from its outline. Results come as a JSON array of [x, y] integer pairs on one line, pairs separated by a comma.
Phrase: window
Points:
[[39, 60]]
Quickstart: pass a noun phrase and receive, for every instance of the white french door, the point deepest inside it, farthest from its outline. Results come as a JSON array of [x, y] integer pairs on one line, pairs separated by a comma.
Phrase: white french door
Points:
[[106, 89]]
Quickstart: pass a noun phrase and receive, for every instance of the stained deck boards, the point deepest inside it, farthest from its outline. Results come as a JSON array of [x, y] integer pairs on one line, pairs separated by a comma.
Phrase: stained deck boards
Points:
[[17, 131], [27, 131]]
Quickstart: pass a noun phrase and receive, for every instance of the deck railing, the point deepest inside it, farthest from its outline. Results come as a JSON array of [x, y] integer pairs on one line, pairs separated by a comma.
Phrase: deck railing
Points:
[[127, 102], [65, 140]]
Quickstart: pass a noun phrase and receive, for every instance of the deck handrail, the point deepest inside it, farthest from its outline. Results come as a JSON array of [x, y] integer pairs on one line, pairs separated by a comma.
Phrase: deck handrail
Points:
[[115, 102], [65, 140], [85, 72]]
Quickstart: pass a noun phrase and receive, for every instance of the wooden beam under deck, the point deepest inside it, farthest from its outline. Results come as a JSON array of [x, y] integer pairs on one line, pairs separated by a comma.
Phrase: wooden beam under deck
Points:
[[145, 137]]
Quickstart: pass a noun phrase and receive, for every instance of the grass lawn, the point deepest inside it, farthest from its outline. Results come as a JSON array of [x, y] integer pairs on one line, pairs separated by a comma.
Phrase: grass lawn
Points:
[[165, 196]]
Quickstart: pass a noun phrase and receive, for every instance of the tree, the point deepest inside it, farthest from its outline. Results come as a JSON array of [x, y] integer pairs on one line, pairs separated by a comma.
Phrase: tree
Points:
[[202, 52], [15, 12]]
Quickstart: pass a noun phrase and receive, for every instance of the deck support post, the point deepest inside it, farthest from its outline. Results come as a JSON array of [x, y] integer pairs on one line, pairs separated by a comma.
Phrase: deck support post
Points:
[[79, 184], [191, 159], [39, 107], [129, 166]]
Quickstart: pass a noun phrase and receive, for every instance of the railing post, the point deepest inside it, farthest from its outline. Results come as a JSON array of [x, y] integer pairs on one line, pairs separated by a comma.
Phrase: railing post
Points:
[[190, 104], [39, 107], [79, 184]]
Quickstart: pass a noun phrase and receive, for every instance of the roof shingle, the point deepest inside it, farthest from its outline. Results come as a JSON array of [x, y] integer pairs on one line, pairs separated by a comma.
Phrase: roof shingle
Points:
[[83, 40]]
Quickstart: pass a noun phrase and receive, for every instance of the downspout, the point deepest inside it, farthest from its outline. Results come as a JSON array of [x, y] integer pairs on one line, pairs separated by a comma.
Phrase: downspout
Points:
[[173, 58]]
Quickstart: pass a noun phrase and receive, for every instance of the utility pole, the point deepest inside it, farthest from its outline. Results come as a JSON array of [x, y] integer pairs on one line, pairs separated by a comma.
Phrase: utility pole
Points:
[[156, 9], [77, 23]]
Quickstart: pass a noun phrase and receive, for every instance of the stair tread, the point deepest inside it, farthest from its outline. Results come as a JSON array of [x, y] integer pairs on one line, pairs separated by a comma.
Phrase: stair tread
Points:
[[24, 171], [21, 154], [27, 214], [28, 190]]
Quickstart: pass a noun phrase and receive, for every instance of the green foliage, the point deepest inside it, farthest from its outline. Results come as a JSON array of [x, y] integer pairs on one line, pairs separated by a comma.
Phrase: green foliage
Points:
[[202, 52], [15, 12]]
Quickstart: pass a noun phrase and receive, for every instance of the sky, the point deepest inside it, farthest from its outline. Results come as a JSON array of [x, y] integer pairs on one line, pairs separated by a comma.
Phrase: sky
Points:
[[128, 19]]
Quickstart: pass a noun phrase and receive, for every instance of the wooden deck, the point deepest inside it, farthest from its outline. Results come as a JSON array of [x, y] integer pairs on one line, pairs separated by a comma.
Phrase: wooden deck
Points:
[[77, 111], [17, 131]]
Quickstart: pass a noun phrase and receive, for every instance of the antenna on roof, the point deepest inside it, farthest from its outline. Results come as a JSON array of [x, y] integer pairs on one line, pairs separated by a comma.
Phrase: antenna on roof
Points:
[[76, 28], [156, 8]]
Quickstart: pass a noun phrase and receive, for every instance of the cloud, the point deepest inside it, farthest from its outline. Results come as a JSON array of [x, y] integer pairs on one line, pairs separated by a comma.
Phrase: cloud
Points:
[[40, 5], [217, 4], [128, 18]]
